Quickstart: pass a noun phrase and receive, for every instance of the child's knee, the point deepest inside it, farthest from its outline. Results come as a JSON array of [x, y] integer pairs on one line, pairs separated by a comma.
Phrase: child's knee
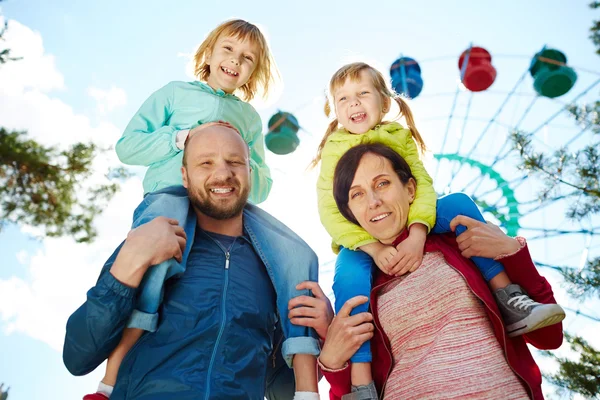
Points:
[[353, 260], [460, 204]]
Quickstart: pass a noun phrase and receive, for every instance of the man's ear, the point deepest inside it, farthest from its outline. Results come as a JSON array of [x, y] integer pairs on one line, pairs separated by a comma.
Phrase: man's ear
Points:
[[184, 177]]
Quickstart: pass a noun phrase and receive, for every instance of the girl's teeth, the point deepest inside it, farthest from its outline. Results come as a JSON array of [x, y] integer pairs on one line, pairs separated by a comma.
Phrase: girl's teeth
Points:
[[229, 72]]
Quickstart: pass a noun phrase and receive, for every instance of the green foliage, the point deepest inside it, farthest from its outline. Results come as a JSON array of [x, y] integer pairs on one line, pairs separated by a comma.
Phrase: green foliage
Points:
[[42, 186], [585, 283], [581, 376], [574, 175]]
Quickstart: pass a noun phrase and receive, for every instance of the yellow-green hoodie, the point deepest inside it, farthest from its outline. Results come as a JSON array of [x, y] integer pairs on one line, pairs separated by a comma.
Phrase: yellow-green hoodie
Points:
[[344, 232]]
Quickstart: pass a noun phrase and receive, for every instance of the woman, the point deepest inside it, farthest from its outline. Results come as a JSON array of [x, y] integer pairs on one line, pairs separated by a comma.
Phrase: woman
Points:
[[438, 330]]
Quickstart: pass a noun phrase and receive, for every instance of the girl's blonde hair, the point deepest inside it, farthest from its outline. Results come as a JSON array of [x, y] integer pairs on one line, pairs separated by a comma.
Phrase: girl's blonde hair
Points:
[[353, 71], [265, 72]]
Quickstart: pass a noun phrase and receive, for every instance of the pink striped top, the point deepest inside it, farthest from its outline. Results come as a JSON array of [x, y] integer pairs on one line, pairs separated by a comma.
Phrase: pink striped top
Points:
[[443, 345]]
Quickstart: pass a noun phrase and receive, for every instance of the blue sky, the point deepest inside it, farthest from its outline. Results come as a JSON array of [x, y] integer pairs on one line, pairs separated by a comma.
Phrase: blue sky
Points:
[[88, 66]]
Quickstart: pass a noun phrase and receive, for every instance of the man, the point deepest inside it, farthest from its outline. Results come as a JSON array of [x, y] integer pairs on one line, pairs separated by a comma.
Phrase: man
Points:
[[218, 318]]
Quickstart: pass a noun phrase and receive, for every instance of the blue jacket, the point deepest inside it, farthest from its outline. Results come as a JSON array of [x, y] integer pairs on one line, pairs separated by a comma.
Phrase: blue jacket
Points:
[[149, 138], [201, 331]]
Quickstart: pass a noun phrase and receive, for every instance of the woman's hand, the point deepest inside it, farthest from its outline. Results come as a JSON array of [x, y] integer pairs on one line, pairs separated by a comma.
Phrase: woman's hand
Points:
[[482, 239], [314, 312], [346, 334]]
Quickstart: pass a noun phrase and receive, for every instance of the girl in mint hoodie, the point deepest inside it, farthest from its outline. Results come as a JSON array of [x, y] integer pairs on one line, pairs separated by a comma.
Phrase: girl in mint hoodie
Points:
[[234, 58]]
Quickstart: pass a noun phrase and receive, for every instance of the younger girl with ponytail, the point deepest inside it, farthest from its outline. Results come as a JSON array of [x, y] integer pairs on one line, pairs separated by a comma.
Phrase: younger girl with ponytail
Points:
[[361, 99]]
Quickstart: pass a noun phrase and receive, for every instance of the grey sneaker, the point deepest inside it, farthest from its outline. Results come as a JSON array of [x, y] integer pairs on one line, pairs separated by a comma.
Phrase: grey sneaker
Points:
[[365, 392], [521, 314]]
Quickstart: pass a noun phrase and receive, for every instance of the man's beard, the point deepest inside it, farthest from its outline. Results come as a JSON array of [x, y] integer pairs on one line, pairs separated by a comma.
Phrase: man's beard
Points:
[[202, 201]]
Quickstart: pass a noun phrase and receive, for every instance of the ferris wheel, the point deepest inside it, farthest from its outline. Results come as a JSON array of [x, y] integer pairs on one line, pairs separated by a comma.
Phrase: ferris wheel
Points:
[[468, 126]]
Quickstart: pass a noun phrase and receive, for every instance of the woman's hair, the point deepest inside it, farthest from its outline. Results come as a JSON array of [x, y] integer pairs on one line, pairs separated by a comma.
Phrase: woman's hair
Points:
[[353, 71], [348, 164], [265, 72]]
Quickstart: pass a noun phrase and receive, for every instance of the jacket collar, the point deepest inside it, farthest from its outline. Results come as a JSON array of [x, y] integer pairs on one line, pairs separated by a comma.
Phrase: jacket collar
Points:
[[217, 92]]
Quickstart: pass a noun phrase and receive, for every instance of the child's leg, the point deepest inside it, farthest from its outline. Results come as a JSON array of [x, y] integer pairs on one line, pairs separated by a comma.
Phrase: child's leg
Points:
[[353, 277], [455, 204], [145, 316], [129, 338], [520, 314], [305, 366]]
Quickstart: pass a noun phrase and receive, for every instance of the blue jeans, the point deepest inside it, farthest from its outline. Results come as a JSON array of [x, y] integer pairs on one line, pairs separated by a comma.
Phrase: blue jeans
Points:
[[456, 204], [353, 269], [150, 292], [353, 277]]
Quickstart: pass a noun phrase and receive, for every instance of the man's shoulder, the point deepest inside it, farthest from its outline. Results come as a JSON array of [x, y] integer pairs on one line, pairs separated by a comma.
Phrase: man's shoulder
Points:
[[263, 223]]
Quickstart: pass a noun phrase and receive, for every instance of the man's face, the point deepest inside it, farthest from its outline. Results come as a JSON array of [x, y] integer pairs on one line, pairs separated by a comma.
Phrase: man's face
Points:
[[217, 172]]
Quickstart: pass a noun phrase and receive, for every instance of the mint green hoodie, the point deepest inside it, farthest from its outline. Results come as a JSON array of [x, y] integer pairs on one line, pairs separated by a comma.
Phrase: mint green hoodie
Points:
[[150, 136]]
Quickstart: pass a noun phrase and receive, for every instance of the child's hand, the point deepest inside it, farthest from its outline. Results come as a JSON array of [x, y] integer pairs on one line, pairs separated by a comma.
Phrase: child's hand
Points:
[[384, 256], [410, 251]]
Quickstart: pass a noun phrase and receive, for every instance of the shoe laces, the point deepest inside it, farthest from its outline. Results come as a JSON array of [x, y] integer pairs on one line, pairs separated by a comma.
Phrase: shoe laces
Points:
[[521, 301]]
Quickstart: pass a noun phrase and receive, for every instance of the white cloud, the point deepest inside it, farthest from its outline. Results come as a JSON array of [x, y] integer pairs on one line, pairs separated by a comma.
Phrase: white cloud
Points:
[[51, 121], [59, 274], [36, 69], [108, 100], [23, 257]]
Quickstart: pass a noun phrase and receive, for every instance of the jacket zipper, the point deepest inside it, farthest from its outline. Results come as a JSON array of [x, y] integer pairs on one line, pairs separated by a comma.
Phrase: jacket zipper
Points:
[[274, 356], [380, 330], [223, 318]]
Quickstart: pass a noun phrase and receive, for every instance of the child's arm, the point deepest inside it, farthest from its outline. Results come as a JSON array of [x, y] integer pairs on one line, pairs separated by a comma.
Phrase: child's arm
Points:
[[382, 254], [421, 215], [261, 174], [410, 250], [147, 139], [342, 231], [423, 208]]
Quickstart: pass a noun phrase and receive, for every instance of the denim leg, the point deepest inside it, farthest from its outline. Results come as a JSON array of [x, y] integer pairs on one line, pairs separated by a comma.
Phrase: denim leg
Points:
[[455, 204], [353, 277], [145, 315]]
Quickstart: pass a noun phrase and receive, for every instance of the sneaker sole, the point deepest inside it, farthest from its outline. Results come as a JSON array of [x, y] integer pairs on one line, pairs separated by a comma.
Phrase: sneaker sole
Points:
[[536, 321]]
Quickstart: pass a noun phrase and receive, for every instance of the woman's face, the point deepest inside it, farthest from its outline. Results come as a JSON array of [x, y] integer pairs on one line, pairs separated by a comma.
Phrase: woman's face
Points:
[[378, 198]]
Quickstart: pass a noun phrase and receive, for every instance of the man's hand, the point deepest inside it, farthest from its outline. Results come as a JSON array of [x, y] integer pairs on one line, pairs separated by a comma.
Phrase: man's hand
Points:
[[148, 244], [314, 312], [482, 240], [346, 334]]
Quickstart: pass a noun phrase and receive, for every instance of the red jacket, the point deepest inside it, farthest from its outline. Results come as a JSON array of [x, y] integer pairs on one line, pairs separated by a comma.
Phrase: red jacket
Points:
[[520, 270]]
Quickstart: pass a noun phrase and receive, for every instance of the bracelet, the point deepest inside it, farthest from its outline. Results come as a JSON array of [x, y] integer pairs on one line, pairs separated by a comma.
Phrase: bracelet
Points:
[[324, 368]]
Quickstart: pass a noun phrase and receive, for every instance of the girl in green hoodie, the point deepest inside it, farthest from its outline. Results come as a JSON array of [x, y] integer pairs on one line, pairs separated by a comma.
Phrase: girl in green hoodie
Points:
[[233, 64]]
